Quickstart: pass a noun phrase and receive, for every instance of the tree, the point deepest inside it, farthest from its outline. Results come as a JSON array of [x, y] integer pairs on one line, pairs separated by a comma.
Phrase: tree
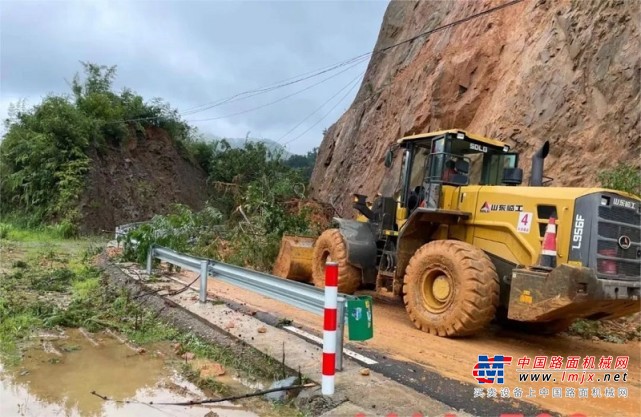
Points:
[[303, 163], [44, 153]]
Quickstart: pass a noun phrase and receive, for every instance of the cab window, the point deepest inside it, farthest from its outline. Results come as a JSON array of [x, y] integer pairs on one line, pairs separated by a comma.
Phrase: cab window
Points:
[[495, 164], [419, 167]]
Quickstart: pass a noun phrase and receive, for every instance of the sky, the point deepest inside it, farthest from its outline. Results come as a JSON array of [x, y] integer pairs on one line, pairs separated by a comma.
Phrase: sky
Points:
[[192, 53]]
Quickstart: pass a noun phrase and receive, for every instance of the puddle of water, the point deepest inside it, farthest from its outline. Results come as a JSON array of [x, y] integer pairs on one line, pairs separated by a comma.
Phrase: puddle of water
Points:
[[56, 378]]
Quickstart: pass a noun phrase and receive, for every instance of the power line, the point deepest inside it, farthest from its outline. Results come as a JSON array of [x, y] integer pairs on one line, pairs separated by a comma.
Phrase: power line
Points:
[[287, 82], [300, 78], [385, 49], [280, 84], [312, 74], [251, 93], [324, 116], [449, 25], [279, 99], [320, 107]]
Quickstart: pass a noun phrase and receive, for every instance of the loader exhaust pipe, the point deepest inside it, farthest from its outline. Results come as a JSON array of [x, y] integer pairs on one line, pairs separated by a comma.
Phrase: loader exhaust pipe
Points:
[[536, 175]]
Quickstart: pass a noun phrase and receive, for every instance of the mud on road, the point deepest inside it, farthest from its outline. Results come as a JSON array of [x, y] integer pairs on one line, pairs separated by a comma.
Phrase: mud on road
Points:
[[395, 337]]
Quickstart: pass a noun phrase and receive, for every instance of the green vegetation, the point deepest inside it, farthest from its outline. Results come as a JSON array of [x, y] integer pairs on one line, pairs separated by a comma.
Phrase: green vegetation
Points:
[[179, 230], [622, 177], [613, 331], [57, 285], [44, 156], [43, 233], [303, 163], [245, 222]]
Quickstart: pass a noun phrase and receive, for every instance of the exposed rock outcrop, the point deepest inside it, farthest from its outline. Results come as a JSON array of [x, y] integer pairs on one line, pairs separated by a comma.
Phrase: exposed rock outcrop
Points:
[[565, 71]]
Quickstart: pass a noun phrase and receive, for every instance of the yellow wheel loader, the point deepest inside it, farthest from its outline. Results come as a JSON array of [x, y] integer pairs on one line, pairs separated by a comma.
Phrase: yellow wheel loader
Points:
[[461, 241]]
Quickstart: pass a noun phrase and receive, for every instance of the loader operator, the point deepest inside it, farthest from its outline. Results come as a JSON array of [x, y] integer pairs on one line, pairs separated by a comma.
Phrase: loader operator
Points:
[[449, 171]]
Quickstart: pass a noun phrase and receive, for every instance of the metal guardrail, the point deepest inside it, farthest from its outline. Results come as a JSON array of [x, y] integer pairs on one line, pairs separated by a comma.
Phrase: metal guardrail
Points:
[[303, 296], [121, 231]]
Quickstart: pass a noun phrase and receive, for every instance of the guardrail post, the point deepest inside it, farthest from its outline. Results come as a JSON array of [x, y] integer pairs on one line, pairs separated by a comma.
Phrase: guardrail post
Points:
[[204, 269], [329, 328], [150, 259], [340, 332]]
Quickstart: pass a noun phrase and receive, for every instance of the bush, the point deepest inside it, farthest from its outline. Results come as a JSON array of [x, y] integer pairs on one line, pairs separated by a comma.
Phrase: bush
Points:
[[180, 230], [44, 154], [65, 229], [4, 230], [622, 177]]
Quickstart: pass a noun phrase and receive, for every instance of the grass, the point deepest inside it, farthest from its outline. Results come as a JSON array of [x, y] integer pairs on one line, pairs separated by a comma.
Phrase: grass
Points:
[[209, 385], [39, 234], [54, 284], [44, 278], [270, 369]]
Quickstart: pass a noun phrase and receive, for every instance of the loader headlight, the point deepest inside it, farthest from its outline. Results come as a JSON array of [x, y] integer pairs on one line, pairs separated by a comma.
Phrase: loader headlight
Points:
[[460, 135], [605, 201]]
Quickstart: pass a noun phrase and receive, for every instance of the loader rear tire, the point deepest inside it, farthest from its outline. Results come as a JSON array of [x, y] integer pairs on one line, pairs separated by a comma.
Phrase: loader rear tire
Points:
[[451, 288], [330, 247]]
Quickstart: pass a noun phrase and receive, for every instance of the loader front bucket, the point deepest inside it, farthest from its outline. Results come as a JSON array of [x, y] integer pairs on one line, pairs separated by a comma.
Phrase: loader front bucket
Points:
[[295, 258]]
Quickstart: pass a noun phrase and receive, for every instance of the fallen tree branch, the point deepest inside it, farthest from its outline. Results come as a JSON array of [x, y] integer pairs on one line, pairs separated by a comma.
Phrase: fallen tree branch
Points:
[[209, 400]]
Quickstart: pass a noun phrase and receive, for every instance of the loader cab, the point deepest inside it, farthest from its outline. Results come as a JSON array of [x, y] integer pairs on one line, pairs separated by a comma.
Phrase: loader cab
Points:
[[452, 159]]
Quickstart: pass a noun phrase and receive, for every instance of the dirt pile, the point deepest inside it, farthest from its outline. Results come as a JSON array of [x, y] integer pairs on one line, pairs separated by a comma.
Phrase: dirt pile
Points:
[[143, 177], [568, 72]]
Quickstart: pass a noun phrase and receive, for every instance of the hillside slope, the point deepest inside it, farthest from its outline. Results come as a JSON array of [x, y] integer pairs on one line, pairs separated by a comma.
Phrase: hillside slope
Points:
[[566, 71], [137, 180]]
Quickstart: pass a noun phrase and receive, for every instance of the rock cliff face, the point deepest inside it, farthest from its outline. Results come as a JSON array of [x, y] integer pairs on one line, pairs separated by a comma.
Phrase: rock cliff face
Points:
[[564, 71]]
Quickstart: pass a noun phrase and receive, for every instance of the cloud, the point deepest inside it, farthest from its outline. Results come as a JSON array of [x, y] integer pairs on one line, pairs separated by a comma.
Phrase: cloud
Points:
[[192, 52]]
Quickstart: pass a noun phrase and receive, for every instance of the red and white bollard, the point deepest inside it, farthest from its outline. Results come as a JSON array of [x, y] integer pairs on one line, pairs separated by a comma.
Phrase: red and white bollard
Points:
[[329, 328]]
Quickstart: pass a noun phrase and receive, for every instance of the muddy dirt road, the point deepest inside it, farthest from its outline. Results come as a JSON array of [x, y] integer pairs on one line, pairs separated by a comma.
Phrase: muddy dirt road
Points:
[[396, 337]]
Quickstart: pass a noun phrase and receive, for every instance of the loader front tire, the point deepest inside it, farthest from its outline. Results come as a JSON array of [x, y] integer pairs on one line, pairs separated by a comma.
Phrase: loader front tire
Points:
[[330, 247], [451, 288]]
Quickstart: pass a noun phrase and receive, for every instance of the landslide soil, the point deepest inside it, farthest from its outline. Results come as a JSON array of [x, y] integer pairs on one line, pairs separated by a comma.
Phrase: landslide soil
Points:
[[564, 71], [143, 177], [395, 336]]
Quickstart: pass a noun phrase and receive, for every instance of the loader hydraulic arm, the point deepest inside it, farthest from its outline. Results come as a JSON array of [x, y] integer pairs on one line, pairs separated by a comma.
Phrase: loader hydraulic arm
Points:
[[360, 204]]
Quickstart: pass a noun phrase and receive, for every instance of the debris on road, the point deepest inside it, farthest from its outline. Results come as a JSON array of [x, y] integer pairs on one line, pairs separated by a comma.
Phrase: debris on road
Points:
[[211, 370]]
